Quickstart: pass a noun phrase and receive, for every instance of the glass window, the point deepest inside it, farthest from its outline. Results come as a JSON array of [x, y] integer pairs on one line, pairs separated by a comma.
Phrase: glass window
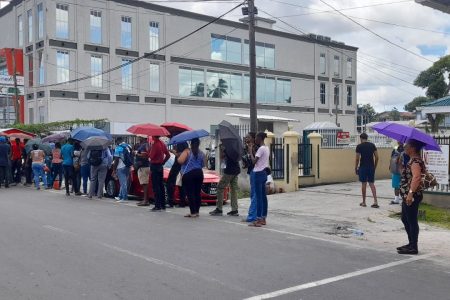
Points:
[[154, 36], [30, 70], [234, 50], [336, 65], [283, 91], [265, 55], [40, 11], [269, 56], [349, 67], [127, 74], [125, 36], [96, 26], [198, 83], [20, 25], [41, 67], [30, 115], [336, 94], [246, 58], [41, 114], [349, 96], [269, 94], [236, 86], [323, 64], [218, 47], [30, 26], [154, 77], [62, 21], [323, 93], [96, 71], [260, 53], [260, 89], [62, 66], [218, 85], [184, 82], [246, 85], [191, 82]]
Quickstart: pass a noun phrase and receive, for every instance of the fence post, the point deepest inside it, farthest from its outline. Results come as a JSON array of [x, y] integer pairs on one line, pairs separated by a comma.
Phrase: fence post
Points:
[[316, 141], [269, 139], [291, 140]]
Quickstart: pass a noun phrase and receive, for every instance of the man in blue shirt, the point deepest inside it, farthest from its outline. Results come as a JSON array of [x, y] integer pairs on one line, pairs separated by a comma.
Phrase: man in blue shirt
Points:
[[67, 156], [120, 168]]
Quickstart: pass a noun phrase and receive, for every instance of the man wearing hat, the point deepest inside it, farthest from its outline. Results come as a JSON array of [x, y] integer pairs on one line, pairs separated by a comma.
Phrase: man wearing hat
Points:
[[5, 152]]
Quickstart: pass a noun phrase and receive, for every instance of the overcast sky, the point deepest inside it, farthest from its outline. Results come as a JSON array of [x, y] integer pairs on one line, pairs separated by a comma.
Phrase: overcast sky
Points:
[[375, 87]]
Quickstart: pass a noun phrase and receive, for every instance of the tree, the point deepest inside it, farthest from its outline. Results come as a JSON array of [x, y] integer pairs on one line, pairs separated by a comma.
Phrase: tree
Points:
[[416, 102], [219, 91], [368, 112], [395, 115], [199, 90]]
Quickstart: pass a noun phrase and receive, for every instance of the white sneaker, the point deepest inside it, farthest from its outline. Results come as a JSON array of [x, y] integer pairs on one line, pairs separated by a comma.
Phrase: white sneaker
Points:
[[122, 201], [117, 199]]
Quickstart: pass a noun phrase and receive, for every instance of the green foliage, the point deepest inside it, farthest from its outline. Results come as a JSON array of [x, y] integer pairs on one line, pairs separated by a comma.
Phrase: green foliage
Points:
[[46, 128], [369, 112], [416, 102], [395, 114]]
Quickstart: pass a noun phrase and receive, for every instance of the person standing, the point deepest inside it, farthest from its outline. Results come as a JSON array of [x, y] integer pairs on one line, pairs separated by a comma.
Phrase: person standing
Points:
[[85, 170], [5, 152], [67, 156], [250, 149], [16, 161], [159, 155], [412, 195], [38, 163], [395, 167], [259, 178], [365, 165], [121, 168], [142, 166], [27, 166], [57, 169], [77, 168], [192, 162], [99, 161], [173, 175], [230, 178]]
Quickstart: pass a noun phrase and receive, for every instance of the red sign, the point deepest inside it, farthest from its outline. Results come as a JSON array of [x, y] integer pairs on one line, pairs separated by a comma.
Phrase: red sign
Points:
[[343, 138]]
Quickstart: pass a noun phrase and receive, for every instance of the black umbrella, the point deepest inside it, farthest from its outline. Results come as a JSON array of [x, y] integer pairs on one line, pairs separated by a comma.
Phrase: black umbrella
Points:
[[231, 140]]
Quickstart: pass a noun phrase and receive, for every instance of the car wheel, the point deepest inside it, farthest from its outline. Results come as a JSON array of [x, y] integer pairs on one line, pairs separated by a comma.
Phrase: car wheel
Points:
[[111, 190]]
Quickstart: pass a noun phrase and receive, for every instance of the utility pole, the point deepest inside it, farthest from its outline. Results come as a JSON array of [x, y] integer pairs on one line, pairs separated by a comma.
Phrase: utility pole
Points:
[[16, 90], [252, 63]]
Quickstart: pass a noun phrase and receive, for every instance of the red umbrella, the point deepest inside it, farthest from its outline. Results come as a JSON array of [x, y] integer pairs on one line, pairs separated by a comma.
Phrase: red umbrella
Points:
[[148, 130], [176, 128]]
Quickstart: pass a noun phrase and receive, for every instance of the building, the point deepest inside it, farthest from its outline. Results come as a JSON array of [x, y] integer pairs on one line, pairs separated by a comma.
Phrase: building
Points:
[[198, 81], [387, 116]]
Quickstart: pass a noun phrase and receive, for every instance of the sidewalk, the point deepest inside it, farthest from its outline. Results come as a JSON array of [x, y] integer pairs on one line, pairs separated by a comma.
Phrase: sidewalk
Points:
[[332, 211]]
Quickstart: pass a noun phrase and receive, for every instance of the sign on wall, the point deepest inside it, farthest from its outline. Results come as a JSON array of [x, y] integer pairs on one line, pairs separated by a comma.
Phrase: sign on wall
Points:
[[437, 163], [9, 80], [343, 138]]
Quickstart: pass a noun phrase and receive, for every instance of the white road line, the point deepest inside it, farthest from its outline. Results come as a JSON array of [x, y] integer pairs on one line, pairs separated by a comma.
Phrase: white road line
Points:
[[338, 278], [49, 227]]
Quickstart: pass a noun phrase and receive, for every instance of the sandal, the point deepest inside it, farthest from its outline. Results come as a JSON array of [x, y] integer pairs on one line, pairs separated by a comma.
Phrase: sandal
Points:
[[362, 204], [375, 206]]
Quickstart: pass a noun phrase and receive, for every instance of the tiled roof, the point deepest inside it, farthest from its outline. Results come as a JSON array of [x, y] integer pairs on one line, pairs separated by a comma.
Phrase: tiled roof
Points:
[[445, 101]]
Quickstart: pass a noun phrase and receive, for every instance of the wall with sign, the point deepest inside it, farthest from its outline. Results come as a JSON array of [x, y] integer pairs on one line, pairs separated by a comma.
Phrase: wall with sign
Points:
[[437, 163]]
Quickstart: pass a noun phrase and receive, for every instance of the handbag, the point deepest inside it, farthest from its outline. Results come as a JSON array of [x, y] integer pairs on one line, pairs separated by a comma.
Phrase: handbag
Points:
[[428, 181]]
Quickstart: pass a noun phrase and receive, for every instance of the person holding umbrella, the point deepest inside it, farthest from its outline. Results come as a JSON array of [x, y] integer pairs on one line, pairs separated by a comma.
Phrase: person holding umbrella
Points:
[[121, 168], [67, 156], [16, 160], [173, 175], [159, 155]]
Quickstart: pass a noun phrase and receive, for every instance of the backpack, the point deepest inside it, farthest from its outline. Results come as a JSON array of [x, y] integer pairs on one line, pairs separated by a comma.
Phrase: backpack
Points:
[[127, 159], [96, 157]]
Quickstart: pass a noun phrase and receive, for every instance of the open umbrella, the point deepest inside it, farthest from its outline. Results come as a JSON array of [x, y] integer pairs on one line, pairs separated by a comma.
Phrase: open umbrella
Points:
[[56, 138], [403, 133], [96, 142], [231, 140], [175, 128], [188, 136], [45, 147], [82, 133], [148, 129]]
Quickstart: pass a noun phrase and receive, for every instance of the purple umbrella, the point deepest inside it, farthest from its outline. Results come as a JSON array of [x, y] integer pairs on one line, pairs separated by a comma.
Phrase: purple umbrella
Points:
[[55, 138], [403, 133]]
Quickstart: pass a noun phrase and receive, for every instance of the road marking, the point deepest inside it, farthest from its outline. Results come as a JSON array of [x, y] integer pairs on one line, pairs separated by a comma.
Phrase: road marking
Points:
[[339, 278], [57, 229]]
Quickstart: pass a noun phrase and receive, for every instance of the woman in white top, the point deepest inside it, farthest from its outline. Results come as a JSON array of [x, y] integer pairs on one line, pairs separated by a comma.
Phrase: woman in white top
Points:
[[38, 159], [259, 178]]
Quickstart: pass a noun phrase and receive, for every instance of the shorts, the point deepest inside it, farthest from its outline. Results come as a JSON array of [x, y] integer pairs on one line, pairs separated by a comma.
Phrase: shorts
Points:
[[366, 175], [396, 181], [144, 175]]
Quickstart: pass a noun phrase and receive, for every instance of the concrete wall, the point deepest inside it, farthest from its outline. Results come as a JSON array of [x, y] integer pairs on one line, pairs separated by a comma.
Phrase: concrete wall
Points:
[[438, 199]]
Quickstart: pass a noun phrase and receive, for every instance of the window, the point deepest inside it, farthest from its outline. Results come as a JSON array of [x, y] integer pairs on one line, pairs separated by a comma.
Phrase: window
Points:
[[41, 68], [236, 86], [20, 25], [127, 75], [191, 82], [125, 36], [269, 56], [154, 36], [62, 21], [265, 90], [40, 12], [30, 26], [349, 67], [323, 93], [284, 91], [96, 71], [30, 115], [336, 94], [30, 70], [265, 54], [323, 64], [336, 65], [260, 55], [349, 96], [154, 77], [62, 66], [96, 26], [226, 48], [41, 114]]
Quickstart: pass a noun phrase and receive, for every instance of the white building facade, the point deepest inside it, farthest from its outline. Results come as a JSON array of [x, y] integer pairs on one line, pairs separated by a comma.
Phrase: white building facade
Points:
[[198, 81]]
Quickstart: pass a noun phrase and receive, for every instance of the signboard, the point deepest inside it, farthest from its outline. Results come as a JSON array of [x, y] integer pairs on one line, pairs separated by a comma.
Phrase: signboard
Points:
[[343, 138], [437, 163], [9, 80], [10, 91]]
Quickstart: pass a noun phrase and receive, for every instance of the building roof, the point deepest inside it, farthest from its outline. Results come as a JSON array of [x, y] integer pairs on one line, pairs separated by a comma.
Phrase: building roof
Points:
[[445, 101], [321, 126], [264, 118], [206, 18]]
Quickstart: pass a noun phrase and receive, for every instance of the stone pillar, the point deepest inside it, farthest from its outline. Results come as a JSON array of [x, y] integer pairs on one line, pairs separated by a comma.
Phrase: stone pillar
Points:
[[291, 140], [316, 142], [269, 139]]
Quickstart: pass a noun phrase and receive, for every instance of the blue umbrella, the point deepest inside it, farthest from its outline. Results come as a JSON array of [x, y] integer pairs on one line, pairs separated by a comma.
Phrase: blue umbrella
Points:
[[83, 133], [188, 136]]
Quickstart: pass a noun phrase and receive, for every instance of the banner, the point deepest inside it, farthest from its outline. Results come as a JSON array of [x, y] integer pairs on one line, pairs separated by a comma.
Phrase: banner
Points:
[[9, 80], [343, 138], [437, 163]]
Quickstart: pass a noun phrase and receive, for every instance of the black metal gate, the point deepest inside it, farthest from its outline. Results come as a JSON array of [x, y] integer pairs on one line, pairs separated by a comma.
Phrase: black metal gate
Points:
[[304, 159], [277, 158]]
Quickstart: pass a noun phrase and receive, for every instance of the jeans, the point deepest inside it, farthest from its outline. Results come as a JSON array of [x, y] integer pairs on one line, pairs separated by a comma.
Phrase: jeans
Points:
[[85, 174], [232, 181], [410, 216], [123, 175], [3, 176], [57, 170], [76, 180], [259, 187], [158, 185], [38, 171], [192, 183], [68, 176], [16, 170], [252, 209], [98, 176], [28, 174]]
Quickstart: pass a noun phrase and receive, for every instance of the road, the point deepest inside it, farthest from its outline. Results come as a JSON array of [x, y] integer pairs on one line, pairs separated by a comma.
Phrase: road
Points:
[[57, 247]]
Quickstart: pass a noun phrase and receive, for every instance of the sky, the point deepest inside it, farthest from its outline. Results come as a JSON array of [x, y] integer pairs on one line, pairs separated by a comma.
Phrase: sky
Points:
[[423, 31]]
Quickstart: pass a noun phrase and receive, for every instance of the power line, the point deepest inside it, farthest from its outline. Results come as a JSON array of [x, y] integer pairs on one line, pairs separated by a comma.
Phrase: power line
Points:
[[393, 63]]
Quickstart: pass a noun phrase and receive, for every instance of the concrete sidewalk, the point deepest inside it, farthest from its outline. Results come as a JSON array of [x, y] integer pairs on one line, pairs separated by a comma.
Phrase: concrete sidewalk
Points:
[[333, 212]]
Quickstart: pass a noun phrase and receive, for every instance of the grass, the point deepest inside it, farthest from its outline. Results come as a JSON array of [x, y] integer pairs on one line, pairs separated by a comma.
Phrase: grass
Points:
[[431, 215]]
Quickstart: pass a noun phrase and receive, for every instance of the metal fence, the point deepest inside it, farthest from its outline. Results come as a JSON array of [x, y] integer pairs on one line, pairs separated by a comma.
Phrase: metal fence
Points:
[[277, 158], [380, 141], [304, 159]]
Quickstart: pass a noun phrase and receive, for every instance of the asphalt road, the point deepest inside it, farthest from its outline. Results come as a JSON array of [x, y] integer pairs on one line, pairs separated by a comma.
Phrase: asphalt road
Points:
[[55, 247]]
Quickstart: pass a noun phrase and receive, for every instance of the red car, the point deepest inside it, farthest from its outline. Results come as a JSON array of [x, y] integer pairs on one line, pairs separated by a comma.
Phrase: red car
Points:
[[209, 187]]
